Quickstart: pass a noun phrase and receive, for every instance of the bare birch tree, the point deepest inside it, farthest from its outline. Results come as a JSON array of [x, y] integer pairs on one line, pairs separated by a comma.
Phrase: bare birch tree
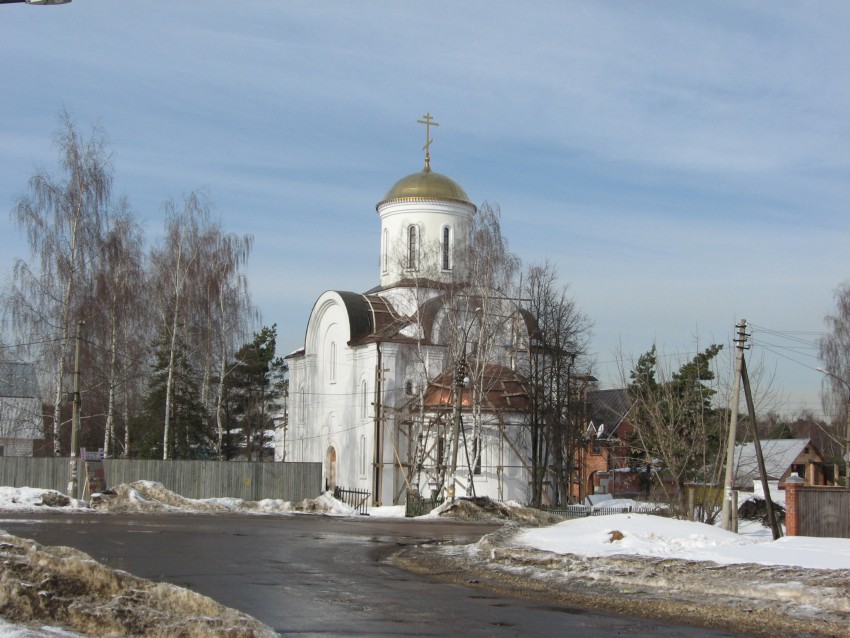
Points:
[[175, 263], [464, 311], [834, 352], [122, 322], [63, 220], [558, 336], [485, 313], [476, 325], [204, 300], [229, 312]]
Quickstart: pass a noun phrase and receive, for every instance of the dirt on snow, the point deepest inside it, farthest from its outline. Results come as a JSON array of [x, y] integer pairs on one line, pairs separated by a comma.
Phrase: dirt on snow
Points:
[[485, 509], [63, 587]]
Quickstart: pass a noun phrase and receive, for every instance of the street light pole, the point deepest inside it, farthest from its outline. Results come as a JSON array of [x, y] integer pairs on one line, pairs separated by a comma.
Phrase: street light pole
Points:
[[847, 426]]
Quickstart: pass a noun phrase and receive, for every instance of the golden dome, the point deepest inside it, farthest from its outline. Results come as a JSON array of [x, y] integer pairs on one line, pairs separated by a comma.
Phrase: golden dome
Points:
[[426, 184]]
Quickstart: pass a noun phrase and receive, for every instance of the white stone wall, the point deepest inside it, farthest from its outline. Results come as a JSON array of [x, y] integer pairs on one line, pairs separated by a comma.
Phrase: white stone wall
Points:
[[503, 474], [430, 217]]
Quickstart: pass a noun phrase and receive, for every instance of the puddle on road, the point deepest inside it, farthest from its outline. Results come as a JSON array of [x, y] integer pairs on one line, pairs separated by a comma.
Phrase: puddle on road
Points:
[[414, 542]]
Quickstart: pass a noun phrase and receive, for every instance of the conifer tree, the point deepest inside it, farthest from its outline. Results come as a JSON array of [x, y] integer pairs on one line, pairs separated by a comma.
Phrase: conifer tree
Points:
[[174, 384], [254, 387], [675, 422]]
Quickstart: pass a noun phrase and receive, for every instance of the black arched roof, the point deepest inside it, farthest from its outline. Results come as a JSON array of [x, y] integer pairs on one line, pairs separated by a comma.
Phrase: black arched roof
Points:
[[359, 315]]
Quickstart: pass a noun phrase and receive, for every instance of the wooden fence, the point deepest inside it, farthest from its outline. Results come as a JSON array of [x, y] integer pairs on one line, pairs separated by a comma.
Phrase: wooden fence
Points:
[[823, 512], [250, 481]]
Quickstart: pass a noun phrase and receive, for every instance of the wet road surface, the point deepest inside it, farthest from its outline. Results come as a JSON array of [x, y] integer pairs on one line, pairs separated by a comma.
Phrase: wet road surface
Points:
[[324, 576]]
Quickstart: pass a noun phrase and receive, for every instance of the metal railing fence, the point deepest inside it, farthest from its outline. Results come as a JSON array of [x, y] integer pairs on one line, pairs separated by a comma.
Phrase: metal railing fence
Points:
[[358, 499], [584, 511]]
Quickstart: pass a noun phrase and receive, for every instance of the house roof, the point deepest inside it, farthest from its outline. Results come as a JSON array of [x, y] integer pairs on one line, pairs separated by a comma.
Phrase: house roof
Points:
[[606, 410], [18, 380], [505, 391], [377, 319], [370, 318], [779, 455]]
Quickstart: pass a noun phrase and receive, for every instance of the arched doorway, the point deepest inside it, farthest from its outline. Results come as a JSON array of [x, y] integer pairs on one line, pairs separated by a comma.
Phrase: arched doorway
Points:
[[330, 469], [590, 486]]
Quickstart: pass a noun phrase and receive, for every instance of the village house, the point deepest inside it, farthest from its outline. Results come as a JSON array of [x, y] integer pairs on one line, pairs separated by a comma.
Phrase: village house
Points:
[[21, 423], [607, 466], [782, 457]]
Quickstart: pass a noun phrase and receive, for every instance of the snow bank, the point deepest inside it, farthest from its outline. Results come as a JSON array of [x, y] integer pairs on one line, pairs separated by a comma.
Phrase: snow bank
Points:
[[483, 508], [664, 568], [30, 498], [67, 588], [149, 496], [388, 511], [658, 537]]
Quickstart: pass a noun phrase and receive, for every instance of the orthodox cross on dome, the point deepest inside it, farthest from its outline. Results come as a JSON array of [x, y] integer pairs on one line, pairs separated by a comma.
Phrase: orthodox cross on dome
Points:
[[428, 122]]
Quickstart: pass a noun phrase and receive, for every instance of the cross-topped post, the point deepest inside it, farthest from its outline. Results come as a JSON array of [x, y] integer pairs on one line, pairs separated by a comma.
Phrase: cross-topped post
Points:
[[428, 122]]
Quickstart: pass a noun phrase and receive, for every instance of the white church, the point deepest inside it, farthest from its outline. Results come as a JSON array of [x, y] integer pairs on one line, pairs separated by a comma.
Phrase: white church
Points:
[[393, 390]]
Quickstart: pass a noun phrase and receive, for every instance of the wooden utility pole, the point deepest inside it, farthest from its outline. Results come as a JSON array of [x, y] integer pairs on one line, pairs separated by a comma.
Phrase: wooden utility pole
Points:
[[378, 455], [460, 383], [75, 417], [729, 483], [460, 375], [751, 410]]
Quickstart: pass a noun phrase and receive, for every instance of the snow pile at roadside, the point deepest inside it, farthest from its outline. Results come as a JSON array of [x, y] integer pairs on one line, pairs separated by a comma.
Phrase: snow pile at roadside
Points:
[[30, 498], [656, 567], [482, 508], [667, 568], [388, 511], [67, 588], [658, 537], [149, 496]]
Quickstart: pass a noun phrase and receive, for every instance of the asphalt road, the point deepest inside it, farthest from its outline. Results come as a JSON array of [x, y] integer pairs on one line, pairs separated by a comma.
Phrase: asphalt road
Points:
[[323, 576]]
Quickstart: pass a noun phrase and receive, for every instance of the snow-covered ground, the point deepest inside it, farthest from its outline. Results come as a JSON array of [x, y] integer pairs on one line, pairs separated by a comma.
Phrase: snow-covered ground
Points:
[[665, 568], [659, 537], [609, 540]]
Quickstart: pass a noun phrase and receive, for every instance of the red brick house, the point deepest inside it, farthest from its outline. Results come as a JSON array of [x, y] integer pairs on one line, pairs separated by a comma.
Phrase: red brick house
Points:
[[605, 464]]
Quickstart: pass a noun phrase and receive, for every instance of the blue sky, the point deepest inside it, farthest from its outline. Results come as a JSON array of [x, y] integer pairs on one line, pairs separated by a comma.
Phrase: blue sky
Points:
[[684, 164]]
